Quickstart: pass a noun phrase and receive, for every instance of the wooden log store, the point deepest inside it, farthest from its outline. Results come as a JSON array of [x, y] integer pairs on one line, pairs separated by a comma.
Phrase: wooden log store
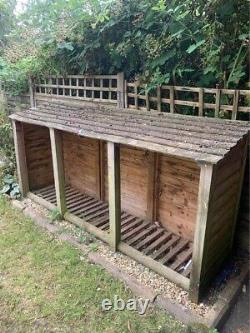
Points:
[[160, 187]]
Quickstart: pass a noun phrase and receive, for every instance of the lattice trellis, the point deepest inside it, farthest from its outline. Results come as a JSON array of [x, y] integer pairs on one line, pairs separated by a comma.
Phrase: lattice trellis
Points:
[[99, 88]]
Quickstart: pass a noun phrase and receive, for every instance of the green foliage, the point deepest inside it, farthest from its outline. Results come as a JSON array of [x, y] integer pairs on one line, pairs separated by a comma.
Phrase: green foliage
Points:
[[6, 143], [10, 187], [93, 247], [55, 215], [86, 238], [180, 42]]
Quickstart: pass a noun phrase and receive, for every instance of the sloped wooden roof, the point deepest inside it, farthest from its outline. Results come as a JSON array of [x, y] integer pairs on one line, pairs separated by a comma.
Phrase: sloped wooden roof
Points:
[[196, 138]]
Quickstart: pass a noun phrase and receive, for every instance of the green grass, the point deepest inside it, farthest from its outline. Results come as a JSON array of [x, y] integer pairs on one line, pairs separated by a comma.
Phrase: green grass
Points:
[[46, 287]]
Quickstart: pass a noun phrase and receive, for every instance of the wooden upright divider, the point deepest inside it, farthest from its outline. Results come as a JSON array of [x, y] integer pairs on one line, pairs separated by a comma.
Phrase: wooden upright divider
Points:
[[152, 195], [22, 170], [205, 188], [58, 169], [114, 194]]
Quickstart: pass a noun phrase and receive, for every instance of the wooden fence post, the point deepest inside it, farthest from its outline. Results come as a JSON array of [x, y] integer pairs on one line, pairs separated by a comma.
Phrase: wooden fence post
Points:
[[206, 182], [217, 102], [58, 169], [201, 102], [32, 93], [120, 90], [171, 98], [22, 170], [114, 194]]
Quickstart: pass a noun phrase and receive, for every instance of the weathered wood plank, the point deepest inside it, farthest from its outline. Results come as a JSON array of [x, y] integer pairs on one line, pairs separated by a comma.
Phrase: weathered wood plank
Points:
[[22, 170], [152, 188], [114, 194], [205, 188], [58, 169]]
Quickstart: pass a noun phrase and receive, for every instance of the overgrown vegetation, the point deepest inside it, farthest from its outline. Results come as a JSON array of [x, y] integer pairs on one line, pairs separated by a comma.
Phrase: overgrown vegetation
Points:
[[178, 41], [10, 187], [47, 286], [8, 183]]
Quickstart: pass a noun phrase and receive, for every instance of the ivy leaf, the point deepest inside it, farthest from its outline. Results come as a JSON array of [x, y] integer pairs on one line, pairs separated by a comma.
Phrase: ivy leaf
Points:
[[66, 45], [5, 189], [195, 46], [8, 179]]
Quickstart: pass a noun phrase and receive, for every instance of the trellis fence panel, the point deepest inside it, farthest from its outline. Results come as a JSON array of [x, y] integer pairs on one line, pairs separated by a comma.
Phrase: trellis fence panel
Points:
[[190, 100], [107, 89]]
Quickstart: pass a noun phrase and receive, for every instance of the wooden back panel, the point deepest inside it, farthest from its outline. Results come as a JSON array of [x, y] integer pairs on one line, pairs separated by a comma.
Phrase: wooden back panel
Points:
[[38, 155], [178, 192], [134, 180], [81, 159]]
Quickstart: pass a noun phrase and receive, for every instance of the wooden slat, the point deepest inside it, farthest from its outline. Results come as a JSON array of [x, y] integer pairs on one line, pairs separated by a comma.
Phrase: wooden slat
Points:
[[171, 98], [22, 171], [100, 212], [174, 239], [78, 201], [130, 225], [81, 205], [205, 187], [58, 169], [135, 230], [114, 183], [217, 103], [173, 252], [201, 102], [182, 259], [141, 234], [158, 92], [149, 239], [235, 105], [152, 195]]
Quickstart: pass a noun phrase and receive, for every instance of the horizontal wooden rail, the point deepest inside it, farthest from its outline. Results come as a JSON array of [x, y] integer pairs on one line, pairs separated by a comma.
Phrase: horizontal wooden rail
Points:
[[199, 100], [96, 88]]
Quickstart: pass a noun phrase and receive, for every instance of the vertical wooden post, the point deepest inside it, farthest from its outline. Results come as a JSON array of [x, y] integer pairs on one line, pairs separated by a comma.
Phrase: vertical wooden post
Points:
[[100, 172], [171, 98], [114, 194], [22, 170], [158, 91], [201, 102], [120, 90], [235, 105], [136, 95], [153, 168], [58, 169], [32, 93], [147, 101], [125, 94], [217, 102], [205, 187]]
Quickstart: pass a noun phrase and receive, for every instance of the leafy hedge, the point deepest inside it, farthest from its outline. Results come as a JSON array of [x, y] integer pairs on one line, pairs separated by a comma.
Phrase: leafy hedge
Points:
[[203, 42]]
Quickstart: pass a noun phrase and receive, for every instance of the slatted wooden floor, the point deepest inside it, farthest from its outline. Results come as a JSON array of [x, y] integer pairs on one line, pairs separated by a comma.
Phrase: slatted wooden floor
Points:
[[158, 243]]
